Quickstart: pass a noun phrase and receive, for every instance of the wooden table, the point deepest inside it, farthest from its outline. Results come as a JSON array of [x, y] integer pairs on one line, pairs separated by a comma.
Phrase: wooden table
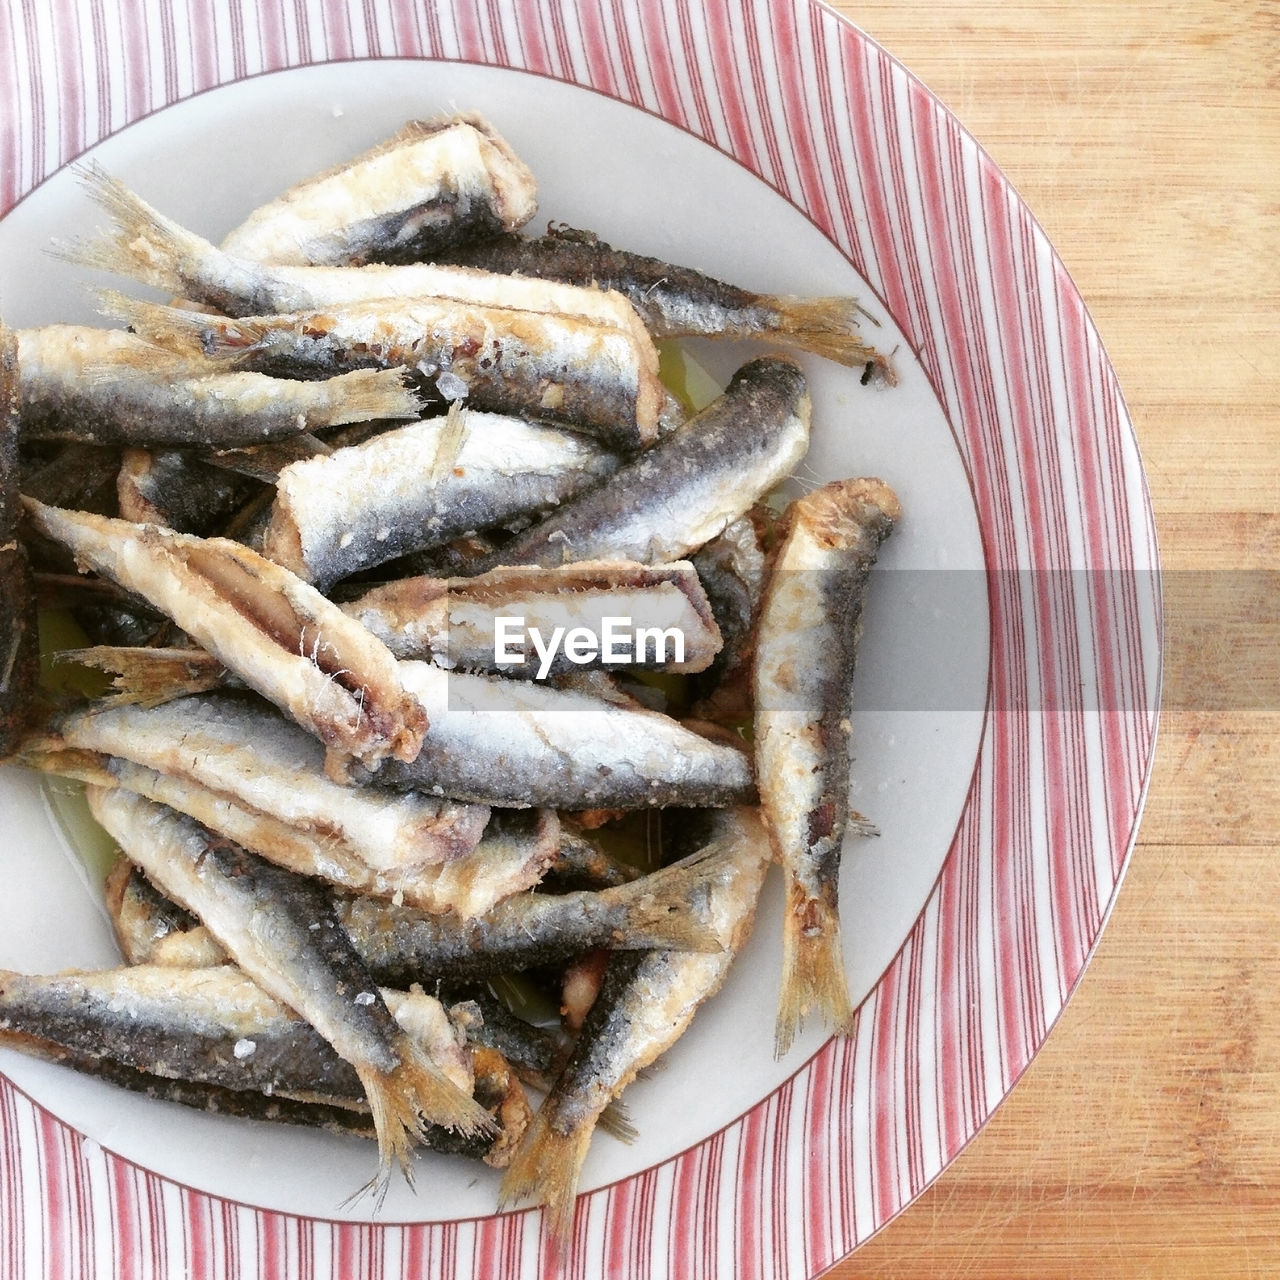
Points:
[[1145, 1138]]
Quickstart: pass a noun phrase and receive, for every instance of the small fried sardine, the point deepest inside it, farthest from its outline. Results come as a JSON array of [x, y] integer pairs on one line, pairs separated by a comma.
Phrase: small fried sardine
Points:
[[364, 505], [280, 929], [454, 621], [434, 184], [277, 633], [690, 486], [594, 377], [517, 743], [107, 386], [813, 605], [647, 1001], [680, 302]]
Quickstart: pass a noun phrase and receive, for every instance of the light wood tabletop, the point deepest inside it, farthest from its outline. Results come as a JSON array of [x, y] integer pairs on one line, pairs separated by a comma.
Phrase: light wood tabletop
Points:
[[1144, 1140]]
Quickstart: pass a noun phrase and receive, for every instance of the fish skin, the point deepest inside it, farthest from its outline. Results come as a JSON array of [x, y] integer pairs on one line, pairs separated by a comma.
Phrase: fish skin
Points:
[[690, 486], [403, 946], [813, 605], [678, 301], [593, 377], [281, 930], [277, 633], [177, 489], [19, 644], [364, 505], [647, 1001], [108, 386], [434, 183], [519, 743], [451, 621]]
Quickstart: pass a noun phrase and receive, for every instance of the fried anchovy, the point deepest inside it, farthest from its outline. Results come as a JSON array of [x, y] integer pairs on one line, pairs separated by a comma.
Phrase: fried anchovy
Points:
[[647, 1001], [519, 743], [19, 645], [149, 247], [281, 930], [243, 753], [401, 945], [680, 302], [434, 184], [813, 605], [106, 386], [595, 377], [454, 621], [212, 1038], [174, 488], [277, 633], [360, 506], [690, 486]]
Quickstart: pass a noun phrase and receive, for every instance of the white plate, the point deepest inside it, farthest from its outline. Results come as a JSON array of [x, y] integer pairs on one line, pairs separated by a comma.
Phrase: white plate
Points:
[[1005, 827]]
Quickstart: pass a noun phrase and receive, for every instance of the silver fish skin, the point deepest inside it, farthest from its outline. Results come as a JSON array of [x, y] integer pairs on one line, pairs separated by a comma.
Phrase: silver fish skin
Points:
[[519, 743], [813, 604], [403, 946], [594, 377], [434, 183], [647, 1001], [364, 505], [690, 486], [453, 621], [276, 632], [280, 929], [678, 301], [245, 753], [107, 386]]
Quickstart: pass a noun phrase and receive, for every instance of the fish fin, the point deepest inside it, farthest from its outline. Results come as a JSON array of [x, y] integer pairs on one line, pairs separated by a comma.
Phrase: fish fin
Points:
[[662, 909], [545, 1170], [142, 243], [813, 977], [829, 327], [186, 332], [616, 1121], [149, 677], [452, 438]]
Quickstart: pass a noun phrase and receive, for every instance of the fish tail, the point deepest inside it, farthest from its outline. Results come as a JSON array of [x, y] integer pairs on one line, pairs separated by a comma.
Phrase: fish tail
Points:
[[545, 1170], [662, 910], [829, 327], [142, 243], [401, 1100], [370, 394], [186, 332], [813, 977]]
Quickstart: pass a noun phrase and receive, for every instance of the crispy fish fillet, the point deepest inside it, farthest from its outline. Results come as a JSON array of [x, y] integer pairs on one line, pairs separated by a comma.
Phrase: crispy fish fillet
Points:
[[19, 647], [435, 183], [454, 620], [813, 605], [151, 248], [373, 502], [107, 386], [212, 1038], [647, 1001], [690, 486], [245, 753], [280, 929], [277, 633], [513, 854], [680, 302], [518, 743], [595, 377]]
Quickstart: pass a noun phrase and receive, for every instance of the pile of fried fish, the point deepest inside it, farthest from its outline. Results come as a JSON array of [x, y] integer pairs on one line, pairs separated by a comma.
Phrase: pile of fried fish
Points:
[[287, 511]]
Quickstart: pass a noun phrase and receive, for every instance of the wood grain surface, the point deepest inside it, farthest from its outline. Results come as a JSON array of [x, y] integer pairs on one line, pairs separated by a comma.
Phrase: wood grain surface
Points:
[[1144, 1140]]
